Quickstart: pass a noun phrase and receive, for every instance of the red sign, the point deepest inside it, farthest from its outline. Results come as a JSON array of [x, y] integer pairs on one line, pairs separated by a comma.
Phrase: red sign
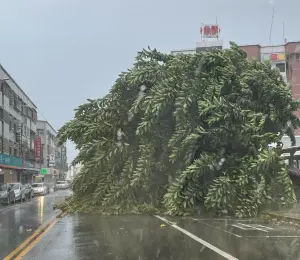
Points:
[[37, 148], [210, 31]]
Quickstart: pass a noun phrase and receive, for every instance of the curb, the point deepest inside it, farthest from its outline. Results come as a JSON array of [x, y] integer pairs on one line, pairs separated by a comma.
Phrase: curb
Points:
[[281, 217]]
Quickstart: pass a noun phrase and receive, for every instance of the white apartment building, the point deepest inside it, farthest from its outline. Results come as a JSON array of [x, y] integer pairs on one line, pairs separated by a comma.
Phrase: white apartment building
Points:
[[18, 117]]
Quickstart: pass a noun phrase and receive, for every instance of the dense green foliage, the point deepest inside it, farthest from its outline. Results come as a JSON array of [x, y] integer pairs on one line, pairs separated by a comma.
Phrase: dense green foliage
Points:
[[179, 131]]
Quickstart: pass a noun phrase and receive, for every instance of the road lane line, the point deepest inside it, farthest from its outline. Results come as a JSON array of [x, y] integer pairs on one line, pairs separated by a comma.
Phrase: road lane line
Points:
[[265, 227], [24, 244], [253, 227], [39, 232], [35, 241], [223, 230], [201, 241], [272, 236]]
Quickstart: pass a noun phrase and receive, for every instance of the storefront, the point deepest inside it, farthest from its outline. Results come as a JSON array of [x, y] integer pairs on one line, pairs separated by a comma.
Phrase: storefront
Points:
[[15, 169], [47, 175]]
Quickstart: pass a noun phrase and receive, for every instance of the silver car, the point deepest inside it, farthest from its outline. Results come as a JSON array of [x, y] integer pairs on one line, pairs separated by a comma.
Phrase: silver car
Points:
[[40, 188], [19, 191], [7, 195]]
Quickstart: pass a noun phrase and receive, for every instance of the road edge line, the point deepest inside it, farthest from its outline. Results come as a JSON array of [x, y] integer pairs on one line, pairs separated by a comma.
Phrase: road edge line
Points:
[[199, 240], [40, 230]]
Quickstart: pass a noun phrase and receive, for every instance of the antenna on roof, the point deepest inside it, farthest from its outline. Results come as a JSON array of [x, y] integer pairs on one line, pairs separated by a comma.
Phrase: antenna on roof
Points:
[[283, 33], [271, 29]]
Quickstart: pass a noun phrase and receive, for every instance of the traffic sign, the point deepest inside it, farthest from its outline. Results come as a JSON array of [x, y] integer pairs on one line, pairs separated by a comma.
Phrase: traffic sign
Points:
[[52, 158]]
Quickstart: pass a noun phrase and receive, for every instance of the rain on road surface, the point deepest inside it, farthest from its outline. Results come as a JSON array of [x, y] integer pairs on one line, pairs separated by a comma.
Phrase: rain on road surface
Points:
[[19, 221], [91, 236]]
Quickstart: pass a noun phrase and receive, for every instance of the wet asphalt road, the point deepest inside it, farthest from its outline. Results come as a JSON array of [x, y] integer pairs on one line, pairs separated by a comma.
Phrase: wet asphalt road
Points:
[[87, 236], [19, 221]]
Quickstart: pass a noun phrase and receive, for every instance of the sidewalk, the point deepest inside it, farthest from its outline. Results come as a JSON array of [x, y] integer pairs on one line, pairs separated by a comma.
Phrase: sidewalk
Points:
[[286, 215]]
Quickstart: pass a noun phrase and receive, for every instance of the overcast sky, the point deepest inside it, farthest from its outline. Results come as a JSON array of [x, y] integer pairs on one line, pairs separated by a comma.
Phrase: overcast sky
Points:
[[62, 52]]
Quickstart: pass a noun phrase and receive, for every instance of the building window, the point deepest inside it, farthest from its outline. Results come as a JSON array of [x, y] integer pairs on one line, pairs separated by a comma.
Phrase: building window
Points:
[[297, 56], [11, 123], [11, 98], [1, 113], [281, 67], [10, 150], [25, 130], [15, 152]]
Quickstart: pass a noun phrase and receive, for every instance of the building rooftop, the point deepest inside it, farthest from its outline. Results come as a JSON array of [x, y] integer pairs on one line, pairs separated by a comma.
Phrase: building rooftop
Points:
[[44, 121], [11, 78]]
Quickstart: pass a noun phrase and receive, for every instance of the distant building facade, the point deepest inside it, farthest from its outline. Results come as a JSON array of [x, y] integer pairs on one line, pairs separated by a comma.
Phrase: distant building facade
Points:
[[53, 161], [73, 171]]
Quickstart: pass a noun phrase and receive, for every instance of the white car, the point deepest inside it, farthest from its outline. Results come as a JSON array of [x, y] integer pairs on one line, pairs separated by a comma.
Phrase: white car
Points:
[[62, 185], [40, 188]]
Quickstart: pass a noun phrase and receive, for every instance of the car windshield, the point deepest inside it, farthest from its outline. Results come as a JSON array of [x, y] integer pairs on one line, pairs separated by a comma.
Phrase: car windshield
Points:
[[15, 186], [3, 187], [35, 185]]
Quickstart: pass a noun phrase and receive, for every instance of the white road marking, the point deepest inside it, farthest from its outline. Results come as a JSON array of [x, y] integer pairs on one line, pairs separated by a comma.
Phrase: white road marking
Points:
[[223, 230], [249, 227], [273, 236], [243, 228], [220, 219], [199, 240], [264, 227]]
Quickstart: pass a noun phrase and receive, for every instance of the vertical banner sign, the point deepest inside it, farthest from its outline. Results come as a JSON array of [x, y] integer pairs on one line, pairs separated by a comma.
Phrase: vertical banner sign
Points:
[[37, 148]]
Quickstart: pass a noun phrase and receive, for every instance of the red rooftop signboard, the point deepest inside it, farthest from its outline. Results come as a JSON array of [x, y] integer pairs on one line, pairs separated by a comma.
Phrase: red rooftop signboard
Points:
[[210, 31]]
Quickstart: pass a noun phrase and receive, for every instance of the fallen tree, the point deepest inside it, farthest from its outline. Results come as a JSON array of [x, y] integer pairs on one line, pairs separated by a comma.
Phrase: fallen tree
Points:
[[180, 131]]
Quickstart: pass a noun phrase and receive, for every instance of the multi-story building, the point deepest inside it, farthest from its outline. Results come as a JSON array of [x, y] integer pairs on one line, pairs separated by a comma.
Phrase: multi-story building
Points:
[[18, 117], [53, 161], [286, 58]]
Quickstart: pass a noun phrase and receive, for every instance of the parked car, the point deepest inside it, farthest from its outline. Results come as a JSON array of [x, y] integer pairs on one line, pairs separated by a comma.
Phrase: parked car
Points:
[[62, 185], [40, 188], [19, 191], [7, 195], [29, 192]]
